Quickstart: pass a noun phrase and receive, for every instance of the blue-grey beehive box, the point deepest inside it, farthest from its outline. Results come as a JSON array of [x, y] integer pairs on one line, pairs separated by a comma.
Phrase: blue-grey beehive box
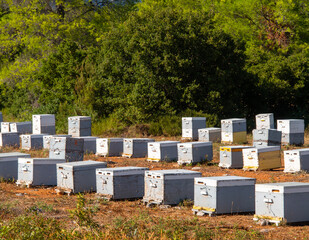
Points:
[[9, 164], [231, 156], [21, 127], [135, 147], [194, 152], [68, 148], [121, 182], [209, 134], [79, 126], [286, 202], [293, 131], [266, 137], [43, 124], [37, 171], [109, 147], [9, 139], [224, 195], [234, 130], [31, 141], [75, 177], [190, 126], [265, 121], [169, 187], [296, 160], [90, 144], [1, 117], [162, 151]]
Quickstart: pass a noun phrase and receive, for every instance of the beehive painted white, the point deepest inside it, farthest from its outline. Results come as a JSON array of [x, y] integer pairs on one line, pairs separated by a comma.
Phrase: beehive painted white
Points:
[[265, 121], [266, 137], [282, 202], [79, 126], [224, 194], [43, 124], [296, 160], [121, 182], [75, 177], [5, 127], [231, 156], [261, 158], [9, 164], [194, 152], [162, 151], [135, 147], [169, 187], [234, 130], [21, 127], [47, 139], [190, 126], [292, 131], [109, 147], [209, 135], [37, 171]]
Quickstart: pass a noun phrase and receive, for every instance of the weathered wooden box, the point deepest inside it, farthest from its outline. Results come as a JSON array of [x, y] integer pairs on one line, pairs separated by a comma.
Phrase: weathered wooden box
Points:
[[261, 158], [31, 141], [224, 195], [135, 147], [169, 187], [266, 137], [43, 123], [286, 202], [163, 151], [75, 177], [209, 135], [109, 147], [265, 121], [231, 156], [292, 131], [296, 160], [79, 126], [37, 171], [9, 164], [121, 182], [194, 152], [234, 130], [9, 139], [190, 126]]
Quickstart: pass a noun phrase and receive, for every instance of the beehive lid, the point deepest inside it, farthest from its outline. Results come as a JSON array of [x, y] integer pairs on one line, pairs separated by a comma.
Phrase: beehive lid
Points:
[[3, 156], [267, 148], [209, 129], [87, 138], [283, 187], [262, 114], [238, 147], [225, 181], [41, 160], [122, 171], [173, 174], [140, 139], [82, 165], [195, 144], [80, 117], [233, 120], [164, 143], [194, 118]]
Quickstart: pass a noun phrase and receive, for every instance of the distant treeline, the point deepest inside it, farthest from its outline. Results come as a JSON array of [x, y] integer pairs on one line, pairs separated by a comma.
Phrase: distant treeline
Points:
[[139, 61]]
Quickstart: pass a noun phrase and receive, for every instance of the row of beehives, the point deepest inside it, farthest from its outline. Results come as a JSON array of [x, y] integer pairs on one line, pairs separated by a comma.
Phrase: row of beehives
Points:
[[234, 130], [274, 202]]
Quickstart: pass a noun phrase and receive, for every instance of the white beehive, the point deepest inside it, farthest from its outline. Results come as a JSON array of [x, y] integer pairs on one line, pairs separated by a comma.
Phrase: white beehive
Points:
[[5, 127], [135, 147], [121, 182], [266, 137], [194, 152], [265, 121], [31, 141], [190, 126], [296, 160], [282, 202], [9, 164], [292, 131], [21, 127], [234, 130], [225, 194], [37, 171], [209, 135], [162, 151], [43, 124], [109, 147], [79, 126], [47, 139], [261, 158], [9, 139]]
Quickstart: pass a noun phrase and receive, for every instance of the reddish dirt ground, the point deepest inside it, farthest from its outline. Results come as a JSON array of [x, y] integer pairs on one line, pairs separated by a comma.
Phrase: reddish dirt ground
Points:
[[23, 198]]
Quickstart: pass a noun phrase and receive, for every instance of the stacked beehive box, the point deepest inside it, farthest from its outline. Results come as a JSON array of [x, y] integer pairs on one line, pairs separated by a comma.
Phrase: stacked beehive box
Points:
[[9, 139], [194, 152], [296, 160], [226, 194], [79, 126], [121, 182], [109, 147], [21, 127], [47, 139], [209, 134], [234, 130], [37, 171], [191, 125], [135, 147], [265, 121], [90, 144], [231, 156], [43, 123], [282, 202], [266, 137], [70, 149], [292, 131], [9, 164], [31, 141], [5, 127], [261, 158], [162, 151], [169, 187]]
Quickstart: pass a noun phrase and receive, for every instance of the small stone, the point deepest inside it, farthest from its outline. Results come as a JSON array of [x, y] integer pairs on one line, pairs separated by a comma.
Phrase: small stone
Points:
[[196, 168], [164, 206], [264, 231], [19, 194]]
